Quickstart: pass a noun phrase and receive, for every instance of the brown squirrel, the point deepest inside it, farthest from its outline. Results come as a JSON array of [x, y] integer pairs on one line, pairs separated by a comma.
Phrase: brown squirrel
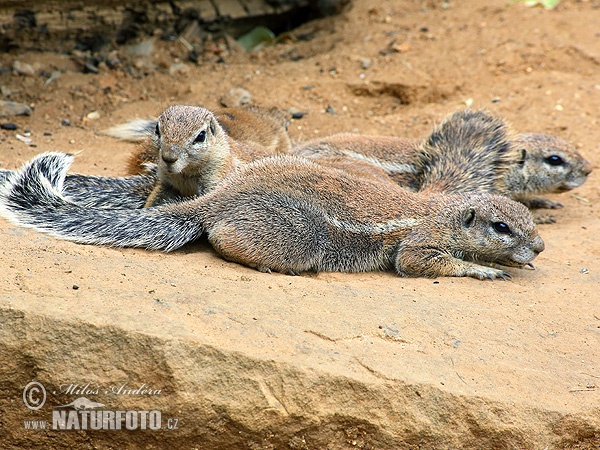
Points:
[[195, 149], [261, 131], [539, 163], [290, 215]]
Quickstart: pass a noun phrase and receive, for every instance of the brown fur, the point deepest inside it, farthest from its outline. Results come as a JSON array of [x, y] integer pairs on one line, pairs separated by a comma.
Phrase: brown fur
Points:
[[195, 149], [290, 215], [485, 156], [253, 132]]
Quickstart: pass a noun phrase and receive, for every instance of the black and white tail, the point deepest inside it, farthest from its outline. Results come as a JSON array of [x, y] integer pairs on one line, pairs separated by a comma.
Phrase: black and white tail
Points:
[[104, 192], [33, 197]]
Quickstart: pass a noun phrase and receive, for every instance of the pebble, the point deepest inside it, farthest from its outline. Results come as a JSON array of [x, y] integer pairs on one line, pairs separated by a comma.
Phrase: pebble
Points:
[[88, 67], [365, 63], [93, 115], [8, 108], [144, 48], [236, 97], [23, 68], [330, 110], [23, 139], [65, 123], [8, 126], [75, 287], [178, 68]]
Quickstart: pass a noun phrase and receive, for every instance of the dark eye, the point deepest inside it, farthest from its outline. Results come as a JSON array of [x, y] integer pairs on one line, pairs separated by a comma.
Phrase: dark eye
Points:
[[501, 228], [554, 160], [157, 131], [200, 138]]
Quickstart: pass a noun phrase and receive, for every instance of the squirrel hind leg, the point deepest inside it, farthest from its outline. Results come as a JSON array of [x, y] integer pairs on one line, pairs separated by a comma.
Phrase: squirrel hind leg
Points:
[[267, 243]]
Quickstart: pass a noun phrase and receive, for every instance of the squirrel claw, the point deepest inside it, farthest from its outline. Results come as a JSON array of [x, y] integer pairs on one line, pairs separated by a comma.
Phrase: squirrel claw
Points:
[[505, 276]]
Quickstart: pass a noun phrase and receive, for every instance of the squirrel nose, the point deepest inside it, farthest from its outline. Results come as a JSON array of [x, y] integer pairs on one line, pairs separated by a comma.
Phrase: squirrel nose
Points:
[[170, 155], [538, 245]]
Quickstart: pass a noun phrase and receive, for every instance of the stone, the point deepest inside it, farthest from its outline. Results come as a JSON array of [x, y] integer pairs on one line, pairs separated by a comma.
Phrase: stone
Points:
[[8, 108], [240, 359]]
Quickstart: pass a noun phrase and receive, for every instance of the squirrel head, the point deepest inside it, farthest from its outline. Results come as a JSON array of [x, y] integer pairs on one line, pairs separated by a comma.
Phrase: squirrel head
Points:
[[548, 164], [187, 137], [494, 229]]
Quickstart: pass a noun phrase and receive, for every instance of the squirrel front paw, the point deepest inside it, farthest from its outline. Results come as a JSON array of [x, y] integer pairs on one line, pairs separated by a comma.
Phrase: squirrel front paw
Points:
[[483, 272], [541, 203]]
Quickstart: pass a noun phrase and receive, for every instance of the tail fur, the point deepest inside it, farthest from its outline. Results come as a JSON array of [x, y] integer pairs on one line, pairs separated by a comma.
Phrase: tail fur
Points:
[[33, 197], [136, 130], [104, 192], [470, 151]]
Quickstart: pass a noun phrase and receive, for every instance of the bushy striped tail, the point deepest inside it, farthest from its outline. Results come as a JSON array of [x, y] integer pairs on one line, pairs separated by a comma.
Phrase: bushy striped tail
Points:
[[34, 197], [469, 152], [104, 192], [136, 130]]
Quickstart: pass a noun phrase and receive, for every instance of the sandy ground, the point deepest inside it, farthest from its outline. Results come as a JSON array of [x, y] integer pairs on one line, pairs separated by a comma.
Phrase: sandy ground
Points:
[[540, 69]]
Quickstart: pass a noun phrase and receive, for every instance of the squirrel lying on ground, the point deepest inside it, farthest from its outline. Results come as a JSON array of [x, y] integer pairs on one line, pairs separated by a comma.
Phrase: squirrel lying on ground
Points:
[[291, 215], [540, 163]]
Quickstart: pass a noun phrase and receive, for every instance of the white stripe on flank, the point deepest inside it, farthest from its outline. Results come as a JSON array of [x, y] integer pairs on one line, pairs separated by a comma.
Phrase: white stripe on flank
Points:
[[389, 167], [375, 228]]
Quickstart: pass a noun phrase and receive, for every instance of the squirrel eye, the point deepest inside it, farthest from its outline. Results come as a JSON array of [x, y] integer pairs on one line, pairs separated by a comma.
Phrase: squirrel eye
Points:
[[157, 131], [200, 138], [501, 228], [554, 160]]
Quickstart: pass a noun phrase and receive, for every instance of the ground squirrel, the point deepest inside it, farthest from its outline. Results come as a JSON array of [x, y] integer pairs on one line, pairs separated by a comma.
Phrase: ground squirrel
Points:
[[291, 215], [195, 149], [539, 163], [262, 131]]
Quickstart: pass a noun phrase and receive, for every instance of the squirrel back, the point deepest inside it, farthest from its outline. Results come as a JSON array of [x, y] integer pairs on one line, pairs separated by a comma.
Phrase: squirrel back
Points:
[[377, 157]]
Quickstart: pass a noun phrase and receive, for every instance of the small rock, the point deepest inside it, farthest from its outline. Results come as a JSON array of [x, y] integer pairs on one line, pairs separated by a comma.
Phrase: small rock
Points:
[[23, 139], [75, 287], [8, 108], [65, 123], [365, 63], [144, 48], [178, 68], [330, 110], [93, 115], [236, 97], [47, 133], [8, 126], [23, 68], [88, 67], [5, 91]]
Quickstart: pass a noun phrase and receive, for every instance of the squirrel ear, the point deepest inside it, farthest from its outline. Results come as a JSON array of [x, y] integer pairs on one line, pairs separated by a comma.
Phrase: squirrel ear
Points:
[[523, 157], [213, 126], [468, 217]]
